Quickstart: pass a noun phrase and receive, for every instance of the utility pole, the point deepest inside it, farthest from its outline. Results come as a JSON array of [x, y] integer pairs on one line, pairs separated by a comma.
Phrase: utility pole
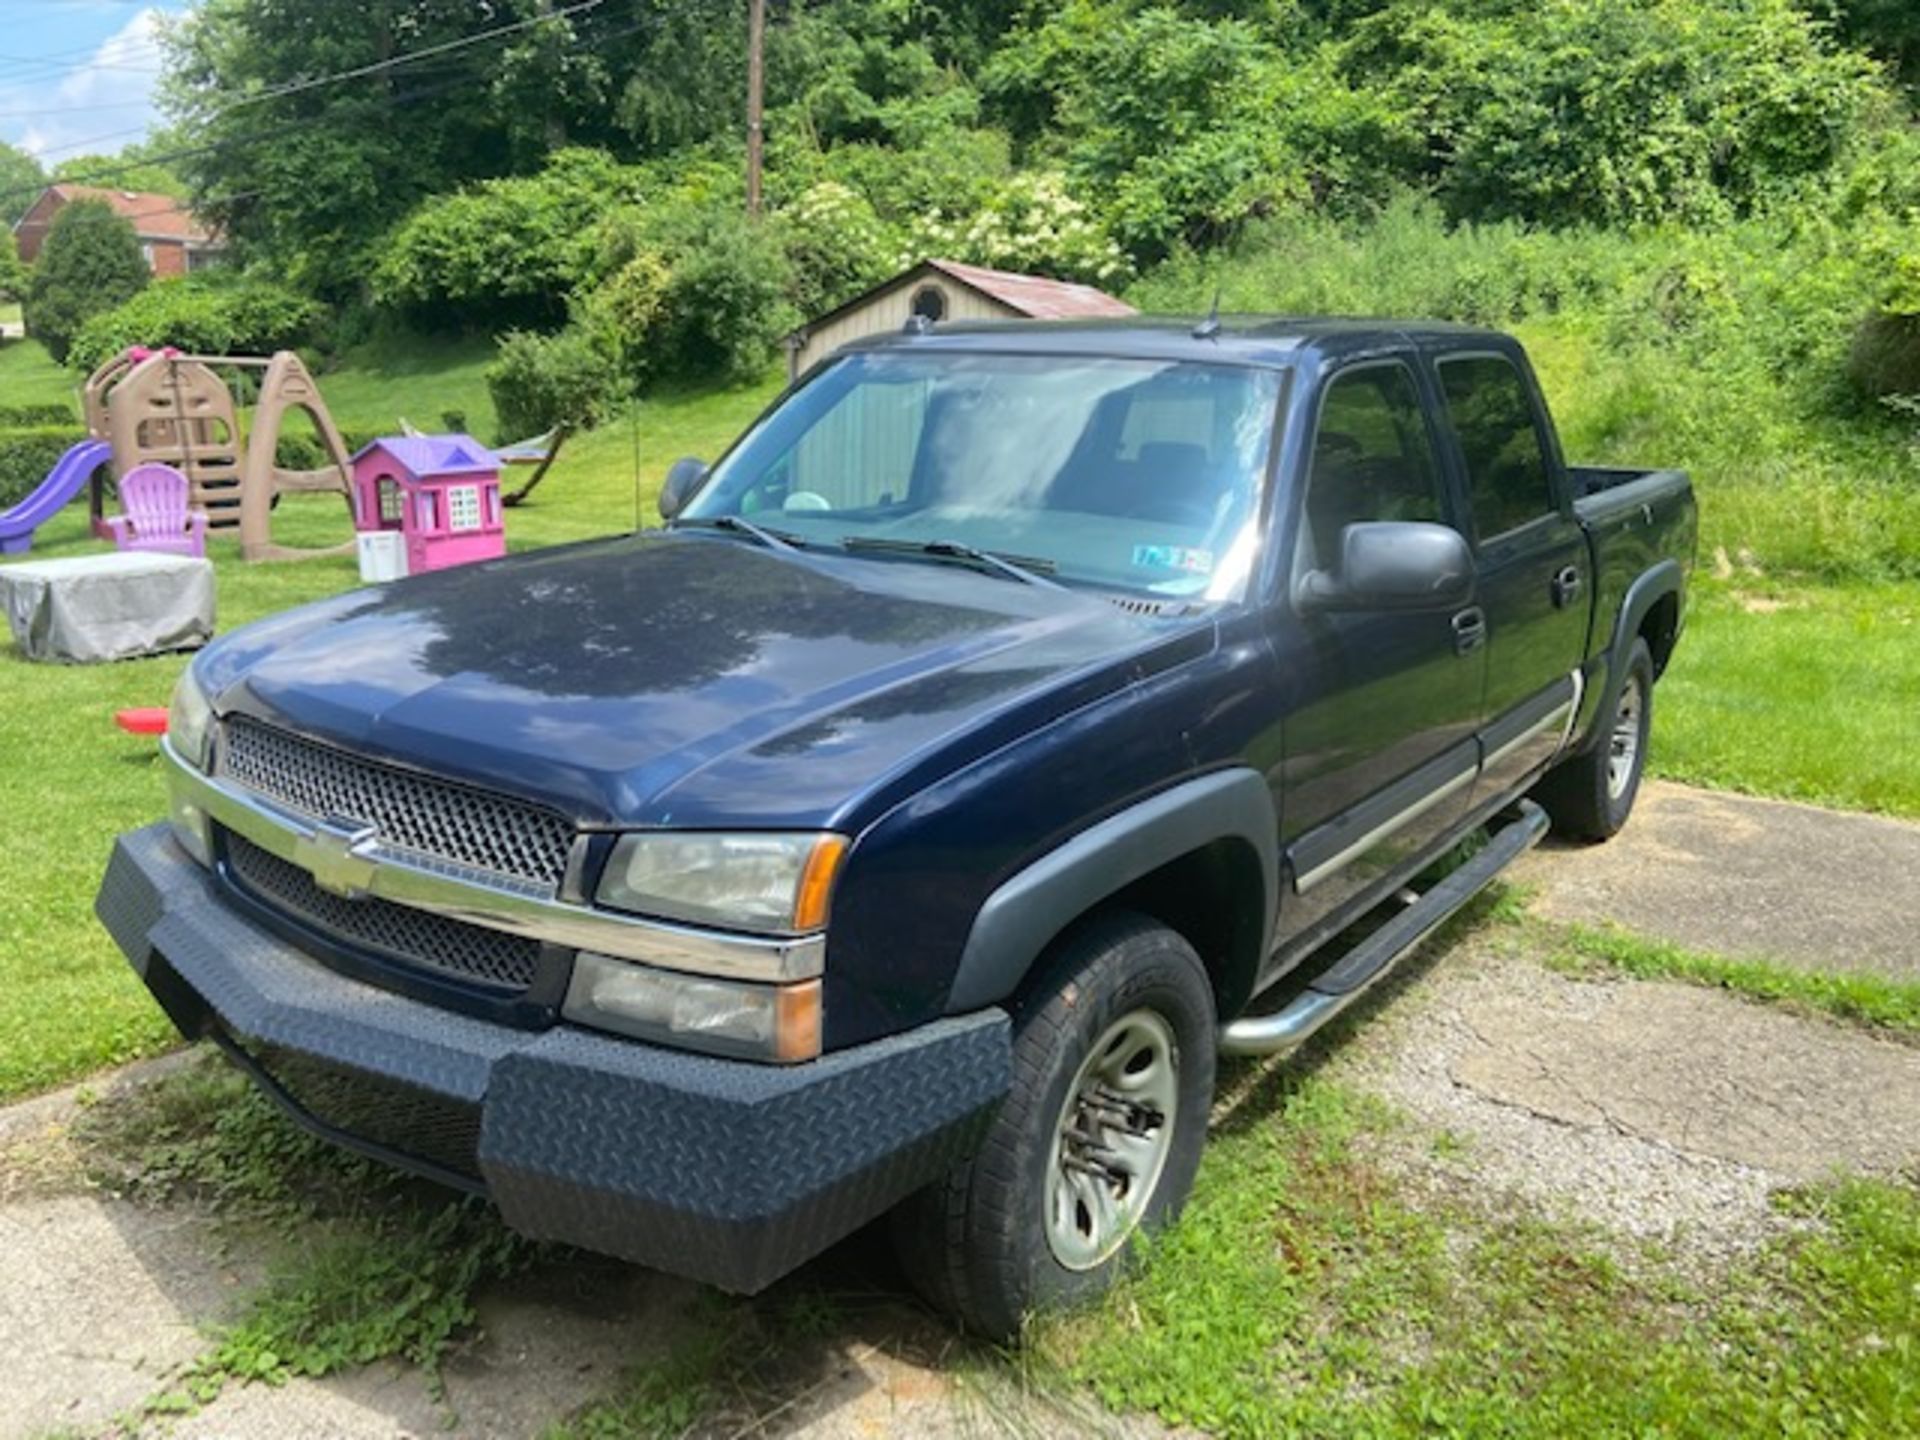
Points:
[[756, 85]]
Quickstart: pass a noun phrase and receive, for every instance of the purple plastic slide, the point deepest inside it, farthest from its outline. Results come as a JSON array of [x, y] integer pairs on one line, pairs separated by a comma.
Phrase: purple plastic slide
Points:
[[63, 482]]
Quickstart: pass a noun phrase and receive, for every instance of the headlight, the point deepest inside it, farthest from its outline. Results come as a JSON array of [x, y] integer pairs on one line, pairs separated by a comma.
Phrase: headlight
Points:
[[725, 1017], [190, 722], [773, 883], [190, 736]]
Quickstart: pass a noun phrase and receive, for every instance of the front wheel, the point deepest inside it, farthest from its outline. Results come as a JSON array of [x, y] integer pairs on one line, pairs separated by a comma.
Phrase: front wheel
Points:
[[1591, 795], [1098, 1140]]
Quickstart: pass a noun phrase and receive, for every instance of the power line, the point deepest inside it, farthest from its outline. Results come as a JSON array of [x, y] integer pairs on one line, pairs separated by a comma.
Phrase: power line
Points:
[[359, 72], [103, 178]]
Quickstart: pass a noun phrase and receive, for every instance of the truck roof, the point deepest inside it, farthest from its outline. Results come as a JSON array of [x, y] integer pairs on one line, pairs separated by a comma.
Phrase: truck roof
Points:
[[1242, 339]]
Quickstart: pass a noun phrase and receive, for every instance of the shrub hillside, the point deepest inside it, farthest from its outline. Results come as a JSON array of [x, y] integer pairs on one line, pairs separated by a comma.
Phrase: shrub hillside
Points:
[[1704, 209]]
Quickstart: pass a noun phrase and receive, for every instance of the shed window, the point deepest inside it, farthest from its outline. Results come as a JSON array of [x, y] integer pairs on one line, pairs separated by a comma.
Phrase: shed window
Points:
[[463, 507], [930, 302]]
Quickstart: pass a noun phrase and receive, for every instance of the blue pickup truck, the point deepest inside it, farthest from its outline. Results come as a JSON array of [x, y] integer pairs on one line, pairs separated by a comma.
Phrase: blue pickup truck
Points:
[[1014, 720]]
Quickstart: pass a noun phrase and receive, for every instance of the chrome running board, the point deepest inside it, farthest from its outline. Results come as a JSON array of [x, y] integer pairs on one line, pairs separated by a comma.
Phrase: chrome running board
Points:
[[1355, 972]]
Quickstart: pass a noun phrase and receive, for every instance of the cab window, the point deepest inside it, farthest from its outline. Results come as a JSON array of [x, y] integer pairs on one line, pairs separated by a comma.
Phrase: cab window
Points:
[[1491, 411], [1373, 459]]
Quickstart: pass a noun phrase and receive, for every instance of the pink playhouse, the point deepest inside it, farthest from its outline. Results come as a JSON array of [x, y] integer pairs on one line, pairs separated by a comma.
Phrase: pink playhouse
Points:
[[440, 492]]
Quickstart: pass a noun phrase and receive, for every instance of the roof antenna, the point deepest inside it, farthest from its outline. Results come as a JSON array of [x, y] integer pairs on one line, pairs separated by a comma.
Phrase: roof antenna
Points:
[[1210, 327]]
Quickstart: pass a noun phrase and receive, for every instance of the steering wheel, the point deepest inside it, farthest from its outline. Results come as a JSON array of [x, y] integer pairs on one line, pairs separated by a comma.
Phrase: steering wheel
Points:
[[806, 500]]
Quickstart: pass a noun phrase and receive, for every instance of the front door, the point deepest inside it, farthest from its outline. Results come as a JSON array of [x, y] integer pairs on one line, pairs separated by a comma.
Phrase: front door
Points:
[[1379, 747], [1531, 555]]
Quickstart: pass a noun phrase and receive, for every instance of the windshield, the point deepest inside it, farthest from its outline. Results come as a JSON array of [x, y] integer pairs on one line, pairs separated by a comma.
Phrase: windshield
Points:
[[1139, 475]]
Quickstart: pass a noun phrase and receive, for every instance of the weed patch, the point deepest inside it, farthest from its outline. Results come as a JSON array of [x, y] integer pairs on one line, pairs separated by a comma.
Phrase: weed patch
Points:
[[372, 1265], [1870, 1000], [1307, 1292]]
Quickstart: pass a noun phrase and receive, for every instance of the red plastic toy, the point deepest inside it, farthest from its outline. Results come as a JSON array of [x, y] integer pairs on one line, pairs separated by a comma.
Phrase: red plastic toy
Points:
[[142, 720]]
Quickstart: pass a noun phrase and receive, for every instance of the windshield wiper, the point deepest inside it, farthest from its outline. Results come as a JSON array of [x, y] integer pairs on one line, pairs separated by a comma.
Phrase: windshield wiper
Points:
[[739, 524], [1029, 570]]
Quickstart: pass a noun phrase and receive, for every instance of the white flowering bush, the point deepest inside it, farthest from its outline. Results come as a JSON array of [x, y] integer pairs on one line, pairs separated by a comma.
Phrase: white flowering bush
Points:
[[1030, 222], [837, 244]]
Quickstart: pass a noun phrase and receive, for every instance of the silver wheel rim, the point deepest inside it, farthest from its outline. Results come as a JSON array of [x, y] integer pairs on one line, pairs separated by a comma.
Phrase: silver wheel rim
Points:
[[1623, 745], [1111, 1141]]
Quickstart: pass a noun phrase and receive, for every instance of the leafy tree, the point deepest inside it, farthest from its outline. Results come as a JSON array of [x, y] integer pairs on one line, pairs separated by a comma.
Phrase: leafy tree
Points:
[[90, 262], [312, 175], [1889, 29], [131, 169], [13, 271], [20, 183]]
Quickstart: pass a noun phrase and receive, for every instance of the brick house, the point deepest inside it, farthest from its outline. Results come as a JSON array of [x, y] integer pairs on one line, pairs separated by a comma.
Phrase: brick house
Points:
[[171, 239]]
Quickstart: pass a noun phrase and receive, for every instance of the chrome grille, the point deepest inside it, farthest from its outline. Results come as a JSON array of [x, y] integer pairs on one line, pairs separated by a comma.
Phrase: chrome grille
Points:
[[410, 812], [399, 932]]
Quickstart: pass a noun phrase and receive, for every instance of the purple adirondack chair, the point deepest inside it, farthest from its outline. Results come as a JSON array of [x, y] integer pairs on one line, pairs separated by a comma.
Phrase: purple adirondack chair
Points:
[[156, 515]]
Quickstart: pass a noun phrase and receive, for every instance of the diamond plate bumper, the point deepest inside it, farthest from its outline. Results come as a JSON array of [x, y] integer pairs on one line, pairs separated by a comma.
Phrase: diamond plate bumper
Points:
[[723, 1171]]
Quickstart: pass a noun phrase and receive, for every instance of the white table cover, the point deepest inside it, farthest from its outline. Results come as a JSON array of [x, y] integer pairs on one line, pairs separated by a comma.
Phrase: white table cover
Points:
[[108, 607]]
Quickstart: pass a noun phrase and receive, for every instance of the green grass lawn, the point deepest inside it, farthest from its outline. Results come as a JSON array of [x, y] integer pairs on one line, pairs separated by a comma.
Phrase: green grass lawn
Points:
[[29, 377], [1811, 693]]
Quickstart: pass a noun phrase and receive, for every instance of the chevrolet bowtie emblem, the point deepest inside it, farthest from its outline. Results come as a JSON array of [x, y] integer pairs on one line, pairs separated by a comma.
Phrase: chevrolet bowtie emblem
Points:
[[336, 855]]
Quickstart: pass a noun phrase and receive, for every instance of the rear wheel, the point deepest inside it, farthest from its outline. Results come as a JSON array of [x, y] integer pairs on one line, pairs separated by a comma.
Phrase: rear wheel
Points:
[[1591, 795], [1099, 1138]]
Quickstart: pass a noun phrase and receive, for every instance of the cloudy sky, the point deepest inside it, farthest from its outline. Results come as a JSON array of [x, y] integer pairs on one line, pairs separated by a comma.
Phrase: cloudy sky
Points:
[[76, 76]]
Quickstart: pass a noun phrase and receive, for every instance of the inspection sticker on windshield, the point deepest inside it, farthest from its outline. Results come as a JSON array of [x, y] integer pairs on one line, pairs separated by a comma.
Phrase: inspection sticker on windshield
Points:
[[1174, 557]]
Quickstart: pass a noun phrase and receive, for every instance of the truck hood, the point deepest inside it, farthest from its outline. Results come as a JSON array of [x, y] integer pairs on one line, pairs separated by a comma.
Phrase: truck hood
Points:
[[690, 679]]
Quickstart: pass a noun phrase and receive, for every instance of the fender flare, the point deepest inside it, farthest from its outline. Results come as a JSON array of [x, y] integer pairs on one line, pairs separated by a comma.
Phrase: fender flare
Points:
[[1021, 917], [1652, 586]]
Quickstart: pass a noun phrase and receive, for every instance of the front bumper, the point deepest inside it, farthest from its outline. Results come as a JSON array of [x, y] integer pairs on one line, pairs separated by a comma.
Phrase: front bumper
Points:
[[723, 1171]]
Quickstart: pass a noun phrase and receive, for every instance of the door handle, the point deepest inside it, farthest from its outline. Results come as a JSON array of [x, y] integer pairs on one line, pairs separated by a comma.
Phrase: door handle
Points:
[[1469, 630], [1566, 587]]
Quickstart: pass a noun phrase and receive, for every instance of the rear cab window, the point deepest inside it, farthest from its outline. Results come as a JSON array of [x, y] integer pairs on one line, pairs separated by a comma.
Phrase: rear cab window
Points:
[[1490, 406]]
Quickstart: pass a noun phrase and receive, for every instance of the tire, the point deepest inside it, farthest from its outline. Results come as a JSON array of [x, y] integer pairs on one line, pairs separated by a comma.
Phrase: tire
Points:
[[986, 1243], [1591, 795]]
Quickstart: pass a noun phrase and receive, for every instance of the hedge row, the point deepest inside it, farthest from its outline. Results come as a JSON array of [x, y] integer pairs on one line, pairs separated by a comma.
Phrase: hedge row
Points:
[[28, 453]]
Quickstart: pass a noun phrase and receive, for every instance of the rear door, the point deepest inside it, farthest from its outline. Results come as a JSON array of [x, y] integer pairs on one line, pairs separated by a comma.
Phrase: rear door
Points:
[[1380, 748], [1532, 560]]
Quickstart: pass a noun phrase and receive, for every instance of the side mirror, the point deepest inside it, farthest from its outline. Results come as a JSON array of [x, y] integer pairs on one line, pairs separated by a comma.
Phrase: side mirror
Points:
[[682, 480], [1394, 565]]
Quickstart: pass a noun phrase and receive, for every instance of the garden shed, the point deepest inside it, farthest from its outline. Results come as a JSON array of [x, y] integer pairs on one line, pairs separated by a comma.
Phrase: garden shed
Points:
[[946, 290]]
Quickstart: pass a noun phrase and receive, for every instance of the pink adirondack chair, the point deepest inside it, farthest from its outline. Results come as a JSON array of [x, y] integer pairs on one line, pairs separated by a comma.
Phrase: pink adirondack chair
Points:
[[156, 514]]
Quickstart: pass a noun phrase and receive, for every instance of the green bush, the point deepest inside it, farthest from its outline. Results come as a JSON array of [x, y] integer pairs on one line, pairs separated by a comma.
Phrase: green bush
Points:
[[622, 313], [506, 252], [726, 306], [1615, 111], [90, 263], [215, 315], [542, 381], [836, 245], [15, 417], [28, 453]]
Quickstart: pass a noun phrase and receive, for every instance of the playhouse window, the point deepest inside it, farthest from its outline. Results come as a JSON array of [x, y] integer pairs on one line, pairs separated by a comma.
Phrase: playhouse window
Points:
[[392, 505], [423, 511], [463, 507]]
